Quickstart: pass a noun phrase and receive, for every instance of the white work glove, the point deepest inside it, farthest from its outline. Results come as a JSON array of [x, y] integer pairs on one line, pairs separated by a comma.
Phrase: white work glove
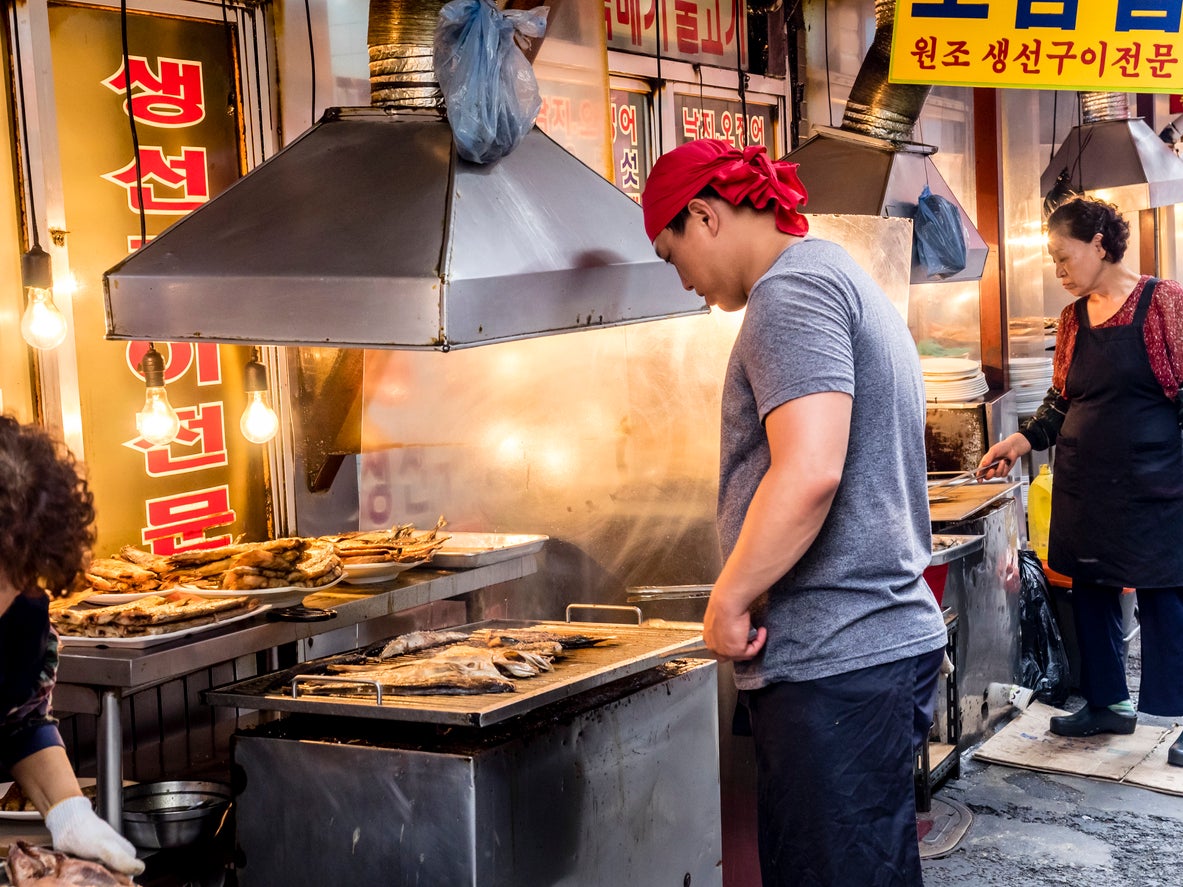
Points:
[[77, 830]]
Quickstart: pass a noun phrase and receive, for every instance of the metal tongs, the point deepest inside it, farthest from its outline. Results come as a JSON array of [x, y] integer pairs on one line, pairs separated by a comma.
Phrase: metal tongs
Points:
[[964, 477]]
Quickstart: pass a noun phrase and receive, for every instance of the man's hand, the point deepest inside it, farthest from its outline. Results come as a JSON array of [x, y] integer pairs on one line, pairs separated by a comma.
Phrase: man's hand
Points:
[[729, 634], [77, 830]]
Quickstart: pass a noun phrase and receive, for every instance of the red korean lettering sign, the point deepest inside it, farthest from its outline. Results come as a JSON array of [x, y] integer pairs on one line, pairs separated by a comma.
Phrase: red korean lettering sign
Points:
[[205, 487], [724, 119], [710, 32], [630, 141]]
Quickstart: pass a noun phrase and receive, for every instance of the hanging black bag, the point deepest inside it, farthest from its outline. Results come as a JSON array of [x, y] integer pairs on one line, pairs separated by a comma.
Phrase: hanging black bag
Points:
[[1043, 663]]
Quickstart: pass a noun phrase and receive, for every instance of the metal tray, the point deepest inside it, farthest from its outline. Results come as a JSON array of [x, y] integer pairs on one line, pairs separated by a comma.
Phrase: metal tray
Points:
[[960, 547], [636, 649], [466, 550]]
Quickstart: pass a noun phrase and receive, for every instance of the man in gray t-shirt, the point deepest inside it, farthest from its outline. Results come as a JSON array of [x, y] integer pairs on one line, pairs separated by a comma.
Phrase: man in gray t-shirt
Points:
[[823, 518], [815, 323]]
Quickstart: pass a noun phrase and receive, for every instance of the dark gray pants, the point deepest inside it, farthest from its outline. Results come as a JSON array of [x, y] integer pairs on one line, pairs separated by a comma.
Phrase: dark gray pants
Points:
[[836, 756], [1096, 610]]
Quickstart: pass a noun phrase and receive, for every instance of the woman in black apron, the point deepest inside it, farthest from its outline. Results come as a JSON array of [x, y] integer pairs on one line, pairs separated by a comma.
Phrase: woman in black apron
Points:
[[1117, 497], [46, 514]]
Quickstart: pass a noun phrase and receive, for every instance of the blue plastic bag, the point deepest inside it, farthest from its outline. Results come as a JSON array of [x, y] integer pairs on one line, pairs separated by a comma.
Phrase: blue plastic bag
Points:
[[489, 87], [939, 235]]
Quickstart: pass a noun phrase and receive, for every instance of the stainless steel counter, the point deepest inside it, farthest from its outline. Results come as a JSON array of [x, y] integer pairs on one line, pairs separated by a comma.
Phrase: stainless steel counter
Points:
[[92, 680], [615, 785], [983, 589]]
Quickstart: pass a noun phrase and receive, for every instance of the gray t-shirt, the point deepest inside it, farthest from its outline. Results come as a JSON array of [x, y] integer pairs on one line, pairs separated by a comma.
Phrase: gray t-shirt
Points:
[[817, 322]]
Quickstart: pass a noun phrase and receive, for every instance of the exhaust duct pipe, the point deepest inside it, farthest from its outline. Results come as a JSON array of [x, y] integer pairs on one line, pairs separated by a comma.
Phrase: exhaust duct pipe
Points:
[[401, 35], [869, 166], [877, 107]]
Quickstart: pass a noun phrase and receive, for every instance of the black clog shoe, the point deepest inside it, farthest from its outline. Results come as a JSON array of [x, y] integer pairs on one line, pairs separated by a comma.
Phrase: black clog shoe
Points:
[[1090, 721], [1175, 753]]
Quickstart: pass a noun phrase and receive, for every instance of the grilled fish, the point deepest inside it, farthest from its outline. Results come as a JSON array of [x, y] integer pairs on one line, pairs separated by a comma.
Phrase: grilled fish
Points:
[[420, 640], [506, 637], [464, 674]]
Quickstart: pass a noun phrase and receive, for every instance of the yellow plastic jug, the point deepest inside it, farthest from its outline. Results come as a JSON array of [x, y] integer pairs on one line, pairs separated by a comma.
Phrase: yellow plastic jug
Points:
[[1039, 511]]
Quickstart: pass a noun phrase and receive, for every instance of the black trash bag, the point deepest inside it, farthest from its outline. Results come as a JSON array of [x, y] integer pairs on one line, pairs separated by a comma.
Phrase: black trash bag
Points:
[[938, 236], [489, 88], [1043, 662]]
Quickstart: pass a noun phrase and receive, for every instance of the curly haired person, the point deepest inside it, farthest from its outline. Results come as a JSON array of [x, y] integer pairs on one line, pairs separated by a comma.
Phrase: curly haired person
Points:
[[46, 518]]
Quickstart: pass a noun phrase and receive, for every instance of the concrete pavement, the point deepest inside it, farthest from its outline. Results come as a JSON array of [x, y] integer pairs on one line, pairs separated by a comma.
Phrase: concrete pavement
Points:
[[1035, 829]]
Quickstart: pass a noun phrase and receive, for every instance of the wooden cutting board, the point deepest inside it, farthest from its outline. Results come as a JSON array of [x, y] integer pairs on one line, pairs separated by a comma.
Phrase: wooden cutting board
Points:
[[957, 503]]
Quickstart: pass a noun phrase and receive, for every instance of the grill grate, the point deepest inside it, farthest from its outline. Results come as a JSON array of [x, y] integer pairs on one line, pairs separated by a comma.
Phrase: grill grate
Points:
[[633, 649]]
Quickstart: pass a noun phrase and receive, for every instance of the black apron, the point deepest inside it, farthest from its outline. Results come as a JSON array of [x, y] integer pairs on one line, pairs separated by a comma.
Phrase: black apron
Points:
[[1117, 494], [24, 636]]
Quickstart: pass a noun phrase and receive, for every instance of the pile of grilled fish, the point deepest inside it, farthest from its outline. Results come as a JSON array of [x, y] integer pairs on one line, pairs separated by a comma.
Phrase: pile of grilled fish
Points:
[[162, 613], [401, 544], [275, 563], [453, 662]]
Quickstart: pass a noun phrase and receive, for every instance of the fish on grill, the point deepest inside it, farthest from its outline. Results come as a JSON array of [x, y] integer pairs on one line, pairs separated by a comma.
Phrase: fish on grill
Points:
[[420, 640], [509, 662], [452, 662], [458, 675], [508, 637], [30, 866]]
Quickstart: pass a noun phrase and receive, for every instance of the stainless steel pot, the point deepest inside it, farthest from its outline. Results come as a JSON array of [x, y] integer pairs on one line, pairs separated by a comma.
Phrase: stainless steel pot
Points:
[[159, 815]]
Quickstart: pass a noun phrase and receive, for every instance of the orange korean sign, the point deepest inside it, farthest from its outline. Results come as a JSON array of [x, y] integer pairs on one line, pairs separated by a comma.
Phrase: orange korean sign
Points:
[[1101, 45]]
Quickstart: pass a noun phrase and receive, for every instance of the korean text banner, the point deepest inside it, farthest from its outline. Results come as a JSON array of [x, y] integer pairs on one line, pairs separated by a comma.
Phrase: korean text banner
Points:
[[1098, 45]]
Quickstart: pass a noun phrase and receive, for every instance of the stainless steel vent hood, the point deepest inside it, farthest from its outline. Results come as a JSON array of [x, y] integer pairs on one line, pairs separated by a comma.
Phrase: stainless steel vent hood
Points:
[[869, 166], [1116, 157], [369, 231]]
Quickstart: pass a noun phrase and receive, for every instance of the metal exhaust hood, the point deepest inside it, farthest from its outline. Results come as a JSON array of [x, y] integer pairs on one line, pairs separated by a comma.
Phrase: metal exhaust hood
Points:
[[869, 166], [1115, 157], [369, 231]]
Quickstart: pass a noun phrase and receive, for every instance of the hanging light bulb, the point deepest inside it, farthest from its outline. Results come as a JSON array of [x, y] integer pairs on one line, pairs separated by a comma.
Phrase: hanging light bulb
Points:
[[259, 422], [42, 325], [157, 422]]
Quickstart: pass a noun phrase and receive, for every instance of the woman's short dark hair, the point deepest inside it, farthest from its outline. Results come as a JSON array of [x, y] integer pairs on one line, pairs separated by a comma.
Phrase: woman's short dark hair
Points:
[[1083, 218], [46, 510]]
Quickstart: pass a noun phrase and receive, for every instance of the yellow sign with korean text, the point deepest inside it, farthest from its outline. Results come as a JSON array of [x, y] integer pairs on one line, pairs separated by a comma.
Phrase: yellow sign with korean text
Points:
[[1098, 45]]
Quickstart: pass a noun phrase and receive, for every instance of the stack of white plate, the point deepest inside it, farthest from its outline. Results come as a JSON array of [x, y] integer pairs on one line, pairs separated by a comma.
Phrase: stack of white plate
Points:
[[952, 379], [1030, 377]]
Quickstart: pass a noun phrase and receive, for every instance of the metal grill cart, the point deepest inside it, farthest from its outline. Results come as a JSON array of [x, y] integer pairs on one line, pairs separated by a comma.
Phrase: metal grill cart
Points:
[[603, 771]]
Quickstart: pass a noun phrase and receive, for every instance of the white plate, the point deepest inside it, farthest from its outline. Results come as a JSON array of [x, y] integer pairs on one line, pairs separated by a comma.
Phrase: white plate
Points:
[[948, 366], [269, 595], [378, 571], [951, 392], [466, 550], [83, 782], [153, 639]]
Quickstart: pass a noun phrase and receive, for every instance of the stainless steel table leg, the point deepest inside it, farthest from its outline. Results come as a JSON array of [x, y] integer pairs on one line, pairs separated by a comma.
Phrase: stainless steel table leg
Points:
[[110, 761]]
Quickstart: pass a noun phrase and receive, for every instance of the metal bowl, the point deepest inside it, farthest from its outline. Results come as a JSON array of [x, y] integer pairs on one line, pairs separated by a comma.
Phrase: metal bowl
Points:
[[159, 815]]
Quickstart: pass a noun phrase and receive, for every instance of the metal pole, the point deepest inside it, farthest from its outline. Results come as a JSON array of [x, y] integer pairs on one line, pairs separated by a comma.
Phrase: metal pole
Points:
[[110, 761]]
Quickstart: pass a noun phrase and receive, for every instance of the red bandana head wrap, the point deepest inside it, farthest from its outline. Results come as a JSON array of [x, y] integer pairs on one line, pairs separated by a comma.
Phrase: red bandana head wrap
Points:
[[678, 176]]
